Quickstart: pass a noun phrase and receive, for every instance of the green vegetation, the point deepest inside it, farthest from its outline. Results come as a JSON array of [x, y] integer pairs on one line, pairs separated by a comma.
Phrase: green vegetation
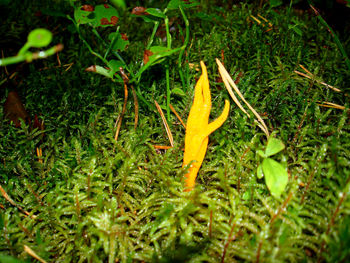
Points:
[[91, 198]]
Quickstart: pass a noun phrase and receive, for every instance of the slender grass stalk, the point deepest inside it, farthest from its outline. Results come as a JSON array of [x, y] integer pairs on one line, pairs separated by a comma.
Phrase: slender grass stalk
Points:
[[167, 74], [187, 37]]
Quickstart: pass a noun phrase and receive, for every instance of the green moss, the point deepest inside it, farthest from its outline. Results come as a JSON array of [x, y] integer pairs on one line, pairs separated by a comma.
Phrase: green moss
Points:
[[96, 199]]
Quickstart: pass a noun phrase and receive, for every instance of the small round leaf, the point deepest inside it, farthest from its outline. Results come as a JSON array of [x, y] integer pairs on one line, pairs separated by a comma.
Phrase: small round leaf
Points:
[[276, 176], [273, 146], [39, 37]]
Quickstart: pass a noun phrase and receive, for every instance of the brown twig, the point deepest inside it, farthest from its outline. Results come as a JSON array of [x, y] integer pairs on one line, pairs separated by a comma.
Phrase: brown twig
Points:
[[120, 118], [136, 104]]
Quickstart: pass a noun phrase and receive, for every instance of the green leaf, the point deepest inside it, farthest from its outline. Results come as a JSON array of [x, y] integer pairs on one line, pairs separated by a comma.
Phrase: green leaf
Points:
[[174, 4], [155, 12], [39, 37], [100, 70], [276, 176], [273, 146], [114, 66], [119, 44], [261, 153], [102, 15], [259, 172], [178, 91], [158, 55], [82, 16], [106, 15]]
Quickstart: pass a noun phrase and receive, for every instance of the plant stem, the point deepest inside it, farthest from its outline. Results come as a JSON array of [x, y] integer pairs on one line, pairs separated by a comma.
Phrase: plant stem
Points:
[[167, 75], [156, 24], [187, 37], [29, 56]]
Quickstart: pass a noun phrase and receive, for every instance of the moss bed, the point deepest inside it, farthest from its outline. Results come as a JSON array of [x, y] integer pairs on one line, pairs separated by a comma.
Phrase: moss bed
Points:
[[90, 198]]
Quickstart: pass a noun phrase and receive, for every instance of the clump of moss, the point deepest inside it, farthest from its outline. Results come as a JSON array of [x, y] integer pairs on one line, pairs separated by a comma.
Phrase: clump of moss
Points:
[[96, 199]]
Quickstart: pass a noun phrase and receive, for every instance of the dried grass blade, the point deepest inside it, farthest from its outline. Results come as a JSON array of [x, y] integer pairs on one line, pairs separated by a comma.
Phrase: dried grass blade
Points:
[[257, 20], [177, 115], [311, 76], [225, 76], [39, 153], [330, 105], [307, 71], [162, 147], [168, 131], [33, 254], [229, 82], [120, 119]]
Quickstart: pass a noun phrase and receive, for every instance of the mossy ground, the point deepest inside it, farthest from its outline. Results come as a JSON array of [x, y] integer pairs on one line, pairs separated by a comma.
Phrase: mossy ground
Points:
[[96, 199]]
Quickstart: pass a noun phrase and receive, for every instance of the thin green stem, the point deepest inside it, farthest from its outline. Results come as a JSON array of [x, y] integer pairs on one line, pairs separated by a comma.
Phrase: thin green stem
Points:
[[187, 37], [167, 74], [156, 25], [29, 56], [86, 43]]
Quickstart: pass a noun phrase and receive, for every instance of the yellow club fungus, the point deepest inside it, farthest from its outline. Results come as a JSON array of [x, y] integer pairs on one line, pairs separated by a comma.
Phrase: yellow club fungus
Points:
[[198, 128]]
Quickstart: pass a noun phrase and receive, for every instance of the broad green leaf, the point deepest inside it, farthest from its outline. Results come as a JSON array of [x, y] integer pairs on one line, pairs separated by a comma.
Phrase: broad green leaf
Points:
[[39, 37], [155, 12], [273, 146], [259, 172], [276, 176], [82, 16], [115, 65], [174, 4], [100, 15], [158, 55], [100, 70], [148, 15], [119, 44], [106, 15], [149, 19]]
